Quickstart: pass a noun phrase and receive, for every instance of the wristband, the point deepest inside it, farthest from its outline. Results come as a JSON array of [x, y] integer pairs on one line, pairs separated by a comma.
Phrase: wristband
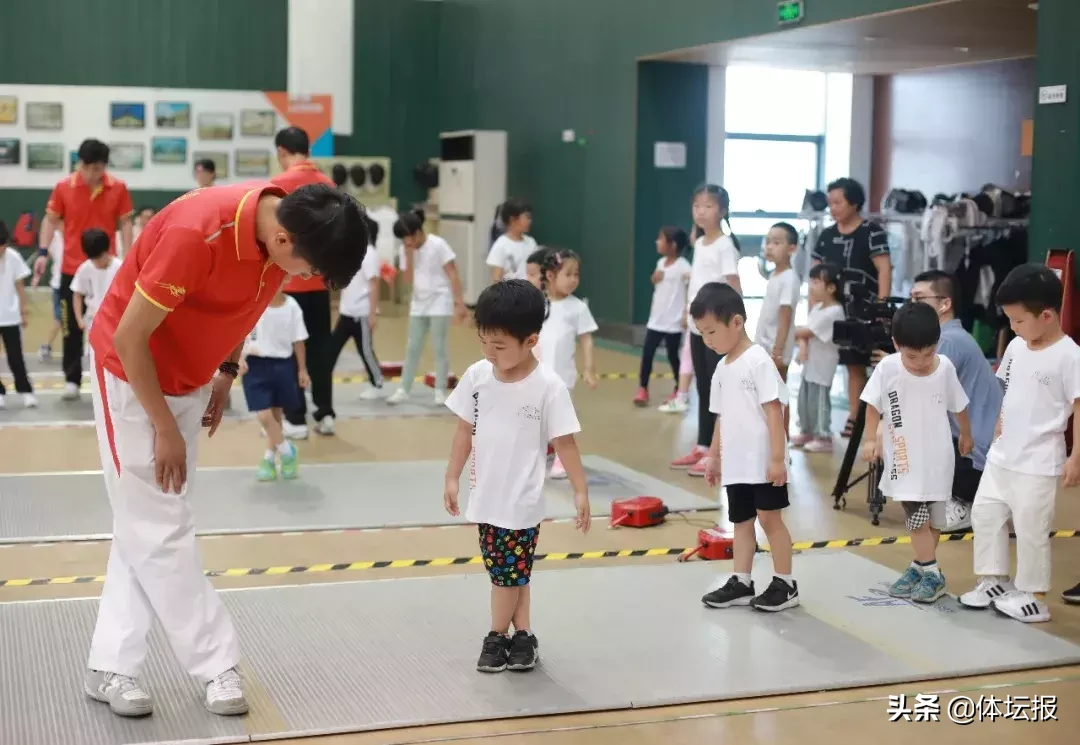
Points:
[[43, 251], [232, 369]]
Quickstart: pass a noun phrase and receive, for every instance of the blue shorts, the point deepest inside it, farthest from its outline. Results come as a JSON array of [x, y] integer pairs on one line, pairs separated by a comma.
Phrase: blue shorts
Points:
[[56, 305], [271, 383]]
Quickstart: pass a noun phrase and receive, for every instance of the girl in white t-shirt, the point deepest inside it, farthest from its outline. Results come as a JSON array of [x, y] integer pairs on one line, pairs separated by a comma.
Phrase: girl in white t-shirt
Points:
[[13, 273], [436, 299], [819, 357], [667, 317], [568, 322], [510, 251], [716, 259]]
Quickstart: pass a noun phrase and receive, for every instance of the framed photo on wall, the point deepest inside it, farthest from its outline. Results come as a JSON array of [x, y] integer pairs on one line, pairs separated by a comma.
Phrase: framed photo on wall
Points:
[[127, 115], [127, 156], [168, 150], [215, 126], [9, 109], [44, 116], [9, 152], [258, 123], [44, 156], [73, 160], [172, 115], [252, 162], [220, 158]]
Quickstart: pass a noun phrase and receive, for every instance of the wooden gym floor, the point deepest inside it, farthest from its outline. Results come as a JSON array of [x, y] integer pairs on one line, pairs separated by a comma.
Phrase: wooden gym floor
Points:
[[613, 428]]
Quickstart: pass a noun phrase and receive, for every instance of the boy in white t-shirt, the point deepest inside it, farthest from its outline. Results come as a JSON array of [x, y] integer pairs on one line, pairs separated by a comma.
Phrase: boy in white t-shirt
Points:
[[776, 325], [914, 391], [510, 407], [819, 356], [13, 272], [748, 453], [275, 373], [1041, 373], [358, 313], [509, 252], [93, 277]]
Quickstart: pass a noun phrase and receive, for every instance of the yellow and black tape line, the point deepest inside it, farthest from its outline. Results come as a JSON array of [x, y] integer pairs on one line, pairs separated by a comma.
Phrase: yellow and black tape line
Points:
[[464, 560]]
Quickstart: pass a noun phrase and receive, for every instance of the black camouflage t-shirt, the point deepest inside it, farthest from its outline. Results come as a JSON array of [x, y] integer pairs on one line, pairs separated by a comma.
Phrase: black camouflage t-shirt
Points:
[[855, 251]]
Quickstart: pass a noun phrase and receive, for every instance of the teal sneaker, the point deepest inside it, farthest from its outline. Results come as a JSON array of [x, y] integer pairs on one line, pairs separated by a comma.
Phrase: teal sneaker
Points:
[[903, 587], [289, 463], [267, 470], [930, 588]]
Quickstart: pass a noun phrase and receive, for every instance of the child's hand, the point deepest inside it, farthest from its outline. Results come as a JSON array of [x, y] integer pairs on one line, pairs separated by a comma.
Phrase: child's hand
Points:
[[78, 322], [965, 444], [871, 453], [712, 470], [657, 277], [450, 497], [461, 313], [590, 378], [1072, 471], [804, 354], [303, 378], [243, 366], [583, 520], [25, 320], [777, 472]]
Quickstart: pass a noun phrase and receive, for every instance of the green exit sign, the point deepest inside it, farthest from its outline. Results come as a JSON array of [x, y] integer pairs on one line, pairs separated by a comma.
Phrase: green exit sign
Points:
[[790, 11]]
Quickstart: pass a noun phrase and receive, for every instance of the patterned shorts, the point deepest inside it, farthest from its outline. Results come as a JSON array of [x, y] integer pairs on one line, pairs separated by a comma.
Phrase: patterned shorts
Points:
[[920, 513], [508, 554]]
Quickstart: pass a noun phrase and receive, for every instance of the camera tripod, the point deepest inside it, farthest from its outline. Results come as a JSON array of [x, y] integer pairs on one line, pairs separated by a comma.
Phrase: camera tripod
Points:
[[874, 498]]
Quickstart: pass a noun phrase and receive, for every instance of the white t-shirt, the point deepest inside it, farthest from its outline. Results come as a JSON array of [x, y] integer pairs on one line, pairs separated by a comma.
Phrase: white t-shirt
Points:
[[669, 300], [916, 436], [355, 299], [277, 330], [1040, 388], [512, 425], [740, 389], [431, 292], [56, 254], [822, 355], [567, 319], [713, 262], [511, 255], [12, 269], [92, 283], [782, 291]]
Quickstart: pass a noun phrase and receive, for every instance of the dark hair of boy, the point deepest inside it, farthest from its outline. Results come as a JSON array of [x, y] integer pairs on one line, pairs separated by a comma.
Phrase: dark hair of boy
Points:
[[1035, 287], [830, 275], [513, 306], [5, 236], [409, 223], [538, 257], [789, 229], [676, 235], [328, 229], [943, 285], [206, 164], [916, 326], [720, 300], [513, 209], [372, 229], [94, 243], [853, 191], [93, 151], [293, 140]]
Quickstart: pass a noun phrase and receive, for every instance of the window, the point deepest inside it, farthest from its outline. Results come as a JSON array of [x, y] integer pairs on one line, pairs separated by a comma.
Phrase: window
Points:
[[765, 100], [769, 175]]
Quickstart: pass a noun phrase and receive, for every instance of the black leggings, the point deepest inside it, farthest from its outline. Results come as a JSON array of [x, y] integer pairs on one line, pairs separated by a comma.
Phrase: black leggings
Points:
[[652, 342], [705, 361], [315, 306], [359, 331], [12, 338]]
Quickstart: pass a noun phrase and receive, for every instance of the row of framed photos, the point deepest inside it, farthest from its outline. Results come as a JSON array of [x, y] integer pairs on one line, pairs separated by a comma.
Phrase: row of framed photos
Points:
[[132, 115], [131, 156]]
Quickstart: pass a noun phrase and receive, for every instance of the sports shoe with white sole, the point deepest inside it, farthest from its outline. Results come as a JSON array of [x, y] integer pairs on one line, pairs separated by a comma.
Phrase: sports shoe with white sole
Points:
[[71, 392], [325, 426], [123, 694], [1022, 606], [371, 393], [225, 695], [294, 431], [398, 396], [29, 401], [986, 592]]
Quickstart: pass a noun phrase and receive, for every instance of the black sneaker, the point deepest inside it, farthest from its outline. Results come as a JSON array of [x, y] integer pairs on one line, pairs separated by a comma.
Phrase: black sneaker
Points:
[[1072, 596], [779, 595], [524, 650], [493, 655], [732, 593]]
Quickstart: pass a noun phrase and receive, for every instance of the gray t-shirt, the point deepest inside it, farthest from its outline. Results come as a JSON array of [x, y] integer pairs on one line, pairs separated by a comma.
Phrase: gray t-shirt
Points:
[[979, 383]]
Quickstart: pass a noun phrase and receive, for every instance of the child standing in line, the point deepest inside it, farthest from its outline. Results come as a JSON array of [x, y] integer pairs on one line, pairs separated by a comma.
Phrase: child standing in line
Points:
[[436, 298], [358, 311], [819, 357], [509, 392], [914, 391], [1041, 373], [569, 321], [92, 278], [680, 402], [667, 317], [56, 256], [716, 259], [776, 324], [13, 272], [749, 448], [507, 257], [270, 388]]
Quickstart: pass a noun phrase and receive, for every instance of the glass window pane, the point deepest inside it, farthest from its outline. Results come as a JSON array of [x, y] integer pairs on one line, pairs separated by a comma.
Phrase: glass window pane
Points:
[[838, 125], [769, 175], [751, 94]]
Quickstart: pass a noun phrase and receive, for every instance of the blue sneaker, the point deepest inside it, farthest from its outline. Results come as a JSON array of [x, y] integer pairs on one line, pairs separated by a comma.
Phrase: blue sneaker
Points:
[[267, 470], [289, 463], [930, 588], [903, 587]]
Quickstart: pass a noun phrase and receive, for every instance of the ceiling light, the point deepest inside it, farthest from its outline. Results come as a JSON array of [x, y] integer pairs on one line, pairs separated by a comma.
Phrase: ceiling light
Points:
[[962, 49], [870, 38], [1033, 6]]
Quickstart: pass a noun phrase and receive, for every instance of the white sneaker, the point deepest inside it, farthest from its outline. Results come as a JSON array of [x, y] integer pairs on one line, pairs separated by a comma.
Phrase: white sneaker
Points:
[[45, 353], [440, 398], [957, 516], [294, 431], [71, 392], [398, 396], [225, 695], [1022, 606], [674, 406], [986, 592], [325, 426], [121, 693], [29, 401], [371, 393], [3, 401]]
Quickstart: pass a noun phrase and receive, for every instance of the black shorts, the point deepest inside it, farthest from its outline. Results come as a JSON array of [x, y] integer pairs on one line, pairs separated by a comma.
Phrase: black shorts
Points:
[[508, 554], [744, 500], [850, 356], [270, 383], [965, 477]]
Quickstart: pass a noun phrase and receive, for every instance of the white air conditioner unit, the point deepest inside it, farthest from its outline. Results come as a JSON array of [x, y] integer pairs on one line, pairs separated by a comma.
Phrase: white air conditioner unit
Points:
[[472, 186]]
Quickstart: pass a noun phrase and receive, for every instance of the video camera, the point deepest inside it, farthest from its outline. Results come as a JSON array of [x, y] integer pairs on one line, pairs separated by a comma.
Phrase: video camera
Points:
[[868, 322]]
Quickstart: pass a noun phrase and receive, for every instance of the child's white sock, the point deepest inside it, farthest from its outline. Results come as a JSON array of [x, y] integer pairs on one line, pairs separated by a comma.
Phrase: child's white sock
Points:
[[269, 455], [787, 578], [928, 566], [743, 577], [285, 448], [682, 396]]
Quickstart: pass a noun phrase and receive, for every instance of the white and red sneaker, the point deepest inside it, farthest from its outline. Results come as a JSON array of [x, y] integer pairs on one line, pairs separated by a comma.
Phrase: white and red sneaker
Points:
[[698, 469], [799, 440], [690, 460], [819, 445], [641, 398]]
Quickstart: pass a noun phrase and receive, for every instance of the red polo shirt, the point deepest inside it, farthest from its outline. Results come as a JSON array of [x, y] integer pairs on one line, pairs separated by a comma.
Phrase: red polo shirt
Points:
[[81, 208], [301, 174], [198, 259]]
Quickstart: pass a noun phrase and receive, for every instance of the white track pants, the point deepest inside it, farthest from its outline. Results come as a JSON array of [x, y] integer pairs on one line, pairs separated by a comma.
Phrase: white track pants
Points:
[[1029, 500], [154, 566]]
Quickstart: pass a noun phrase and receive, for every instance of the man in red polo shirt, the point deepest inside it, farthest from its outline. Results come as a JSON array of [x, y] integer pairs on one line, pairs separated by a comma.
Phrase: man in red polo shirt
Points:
[[166, 342], [89, 198], [311, 294]]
